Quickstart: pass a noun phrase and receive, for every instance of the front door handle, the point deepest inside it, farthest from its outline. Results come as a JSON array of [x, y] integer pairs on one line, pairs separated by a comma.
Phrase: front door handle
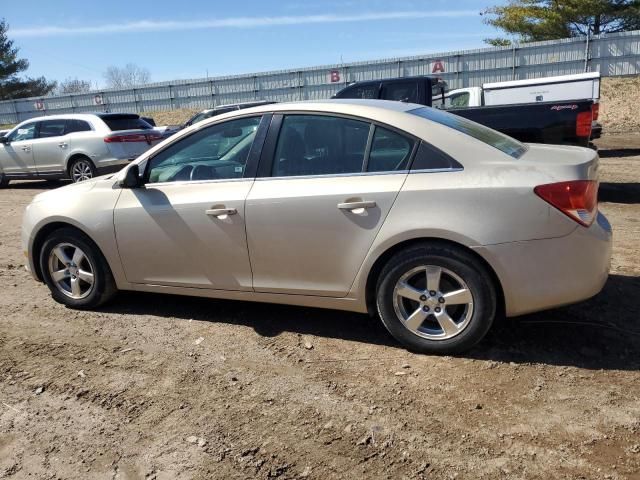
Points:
[[221, 212], [357, 205], [26, 149]]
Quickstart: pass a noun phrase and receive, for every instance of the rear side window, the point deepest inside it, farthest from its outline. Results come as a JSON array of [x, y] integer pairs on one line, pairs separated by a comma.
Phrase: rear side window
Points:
[[320, 145], [401, 91], [458, 100], [116, 123], [52, 128], [390, 151], [364, 91], [77, 126], [491, 137]]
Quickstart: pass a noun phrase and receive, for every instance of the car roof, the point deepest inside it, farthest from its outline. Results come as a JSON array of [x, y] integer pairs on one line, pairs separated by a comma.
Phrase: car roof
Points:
[[77, 116], [376, 110], [387, 112], [338, 105]]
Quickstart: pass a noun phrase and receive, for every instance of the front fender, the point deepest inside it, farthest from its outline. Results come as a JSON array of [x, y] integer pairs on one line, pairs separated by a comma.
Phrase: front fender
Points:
[[91, 213]]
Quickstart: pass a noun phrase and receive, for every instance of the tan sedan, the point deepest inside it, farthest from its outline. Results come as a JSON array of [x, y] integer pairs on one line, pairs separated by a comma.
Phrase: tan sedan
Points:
[[433, 222]]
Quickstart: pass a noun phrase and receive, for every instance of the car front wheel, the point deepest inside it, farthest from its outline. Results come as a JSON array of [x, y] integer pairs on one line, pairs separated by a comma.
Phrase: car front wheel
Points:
[[436, 299], [75, 271]]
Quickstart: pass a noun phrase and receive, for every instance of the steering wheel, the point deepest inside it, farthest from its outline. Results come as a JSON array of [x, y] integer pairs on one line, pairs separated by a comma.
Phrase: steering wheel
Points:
[[203, 172]]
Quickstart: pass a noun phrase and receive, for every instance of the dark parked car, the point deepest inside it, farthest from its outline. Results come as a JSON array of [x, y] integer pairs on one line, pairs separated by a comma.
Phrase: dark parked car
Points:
[[219, 110]]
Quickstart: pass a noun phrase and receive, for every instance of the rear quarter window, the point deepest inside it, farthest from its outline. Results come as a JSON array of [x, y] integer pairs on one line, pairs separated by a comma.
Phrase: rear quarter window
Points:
[[491, 137]]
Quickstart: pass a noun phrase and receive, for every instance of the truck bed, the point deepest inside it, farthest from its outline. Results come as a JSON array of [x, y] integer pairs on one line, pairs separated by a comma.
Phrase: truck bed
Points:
[[543, 122]]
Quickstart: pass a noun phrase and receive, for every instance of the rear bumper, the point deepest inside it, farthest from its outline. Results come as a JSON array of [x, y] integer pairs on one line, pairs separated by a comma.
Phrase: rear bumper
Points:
[[541, 274]]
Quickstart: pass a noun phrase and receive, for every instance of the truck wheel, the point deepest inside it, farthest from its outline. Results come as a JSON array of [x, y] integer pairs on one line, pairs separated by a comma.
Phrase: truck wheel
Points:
[[436, 299], [81, 169]]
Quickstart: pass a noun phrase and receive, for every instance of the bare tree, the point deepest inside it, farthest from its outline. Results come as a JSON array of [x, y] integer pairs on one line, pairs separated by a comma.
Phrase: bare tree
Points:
[[73, 85], [131, 75]]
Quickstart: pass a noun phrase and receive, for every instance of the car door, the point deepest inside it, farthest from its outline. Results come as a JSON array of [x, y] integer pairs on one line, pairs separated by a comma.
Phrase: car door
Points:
[[317, 204], [16, 156], [50, 147], [186, 226]]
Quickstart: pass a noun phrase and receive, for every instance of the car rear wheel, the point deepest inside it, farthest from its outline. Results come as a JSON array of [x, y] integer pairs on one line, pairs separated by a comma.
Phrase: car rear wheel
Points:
[[436, 299], [75, 271], [4, 180], [82, 169]]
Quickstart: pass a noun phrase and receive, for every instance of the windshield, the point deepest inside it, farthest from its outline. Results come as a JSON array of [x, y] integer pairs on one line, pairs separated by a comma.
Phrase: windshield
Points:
[[498, 140]]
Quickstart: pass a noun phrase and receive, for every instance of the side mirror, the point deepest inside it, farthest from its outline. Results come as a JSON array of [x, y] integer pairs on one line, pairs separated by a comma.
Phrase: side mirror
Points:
[[4, 140], [132, 178]]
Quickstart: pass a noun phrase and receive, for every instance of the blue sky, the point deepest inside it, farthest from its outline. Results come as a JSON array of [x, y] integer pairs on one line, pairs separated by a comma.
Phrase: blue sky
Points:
[[190, 38]]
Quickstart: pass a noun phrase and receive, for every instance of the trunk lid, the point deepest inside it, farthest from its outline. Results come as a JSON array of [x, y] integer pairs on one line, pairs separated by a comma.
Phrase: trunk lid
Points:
[[563, 163]]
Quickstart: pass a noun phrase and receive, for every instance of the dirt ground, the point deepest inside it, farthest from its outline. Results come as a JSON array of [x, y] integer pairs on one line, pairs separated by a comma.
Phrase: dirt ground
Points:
[[162, 387]]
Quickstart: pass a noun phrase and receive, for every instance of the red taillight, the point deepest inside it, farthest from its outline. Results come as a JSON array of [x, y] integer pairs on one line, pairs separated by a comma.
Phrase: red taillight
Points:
[[577, 199], [595, 110], [583, 124], [134, 137]]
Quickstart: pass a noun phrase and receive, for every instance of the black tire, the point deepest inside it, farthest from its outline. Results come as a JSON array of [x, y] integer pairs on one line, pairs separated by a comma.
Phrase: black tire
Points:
[[81, 164], [103, 288], [467, 268], [4, 180]]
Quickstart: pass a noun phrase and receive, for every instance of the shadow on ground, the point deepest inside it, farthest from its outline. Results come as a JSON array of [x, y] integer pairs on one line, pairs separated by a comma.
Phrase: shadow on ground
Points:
[[602, 333], [37, 184], [619, 152], [628, 193]]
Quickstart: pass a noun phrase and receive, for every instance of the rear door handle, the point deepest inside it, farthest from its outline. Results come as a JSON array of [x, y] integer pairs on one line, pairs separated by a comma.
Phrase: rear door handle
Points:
[[62, 145], [221, 212], [357, 205]]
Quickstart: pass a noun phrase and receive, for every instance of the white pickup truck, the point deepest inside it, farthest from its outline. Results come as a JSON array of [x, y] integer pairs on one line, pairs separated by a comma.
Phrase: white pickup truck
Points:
[[582, 86]]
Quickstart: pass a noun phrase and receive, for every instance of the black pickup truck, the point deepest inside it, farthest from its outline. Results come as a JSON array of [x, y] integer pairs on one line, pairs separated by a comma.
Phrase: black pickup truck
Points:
[[560, 123]]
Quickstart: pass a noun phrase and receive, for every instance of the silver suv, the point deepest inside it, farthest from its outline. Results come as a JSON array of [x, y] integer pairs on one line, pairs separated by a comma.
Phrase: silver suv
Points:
[[76, 146]]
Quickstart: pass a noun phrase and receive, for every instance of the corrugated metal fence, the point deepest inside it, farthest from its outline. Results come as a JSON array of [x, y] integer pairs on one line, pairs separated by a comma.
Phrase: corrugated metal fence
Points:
[[612, 55]]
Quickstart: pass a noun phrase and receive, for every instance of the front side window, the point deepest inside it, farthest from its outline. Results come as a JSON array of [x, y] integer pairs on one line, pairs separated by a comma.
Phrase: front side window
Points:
[[320, 145], [217, 152], [390, 151], [491, 137], [25, 132], [52, 128]]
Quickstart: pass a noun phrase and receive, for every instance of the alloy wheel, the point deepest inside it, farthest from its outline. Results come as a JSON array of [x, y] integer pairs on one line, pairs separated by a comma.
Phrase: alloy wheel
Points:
[[81, 170], [433, 302], [71, 271]]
